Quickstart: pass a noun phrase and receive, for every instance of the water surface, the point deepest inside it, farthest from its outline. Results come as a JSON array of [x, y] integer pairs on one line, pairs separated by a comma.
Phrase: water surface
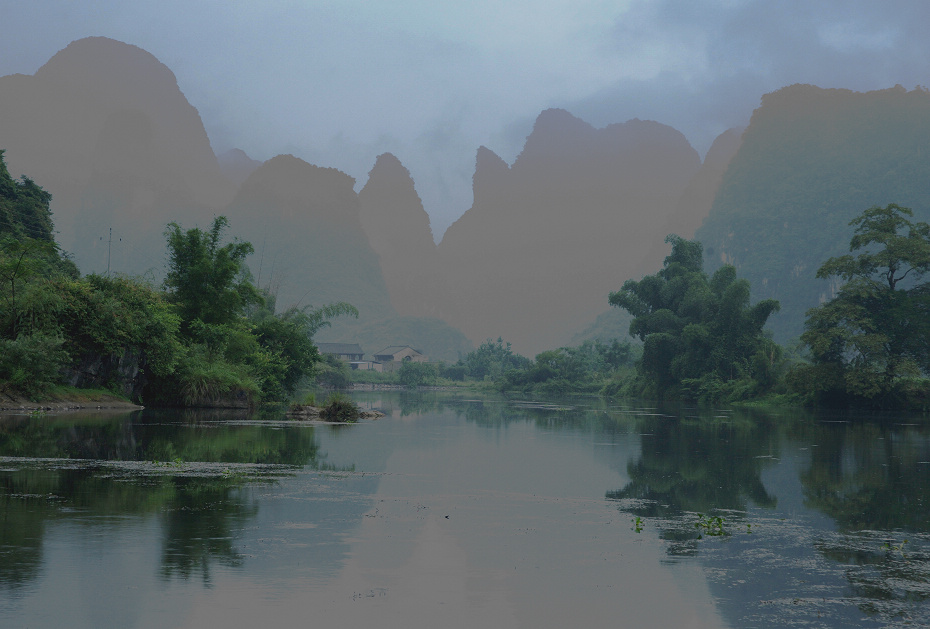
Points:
[[460, 512]]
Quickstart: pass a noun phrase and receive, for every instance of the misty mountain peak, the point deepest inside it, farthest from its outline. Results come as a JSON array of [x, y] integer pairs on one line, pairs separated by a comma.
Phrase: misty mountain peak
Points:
[[490, 175], [98, 63], [390, 198], [388, 170], [556, 133], [398, 229], [299, 183], [554, 122], [104, 126], [487, 160]]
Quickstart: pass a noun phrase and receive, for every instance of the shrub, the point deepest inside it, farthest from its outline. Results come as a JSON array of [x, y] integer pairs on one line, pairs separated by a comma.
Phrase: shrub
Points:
[[333, 372], [30, 364], [339, 408], [413, 374], [201, 379]]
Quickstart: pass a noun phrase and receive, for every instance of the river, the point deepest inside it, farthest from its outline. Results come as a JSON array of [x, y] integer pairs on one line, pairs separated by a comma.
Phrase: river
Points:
[[462, 511]]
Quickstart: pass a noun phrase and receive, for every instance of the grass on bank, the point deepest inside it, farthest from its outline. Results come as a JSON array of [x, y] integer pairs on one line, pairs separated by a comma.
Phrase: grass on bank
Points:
[[67, 394]]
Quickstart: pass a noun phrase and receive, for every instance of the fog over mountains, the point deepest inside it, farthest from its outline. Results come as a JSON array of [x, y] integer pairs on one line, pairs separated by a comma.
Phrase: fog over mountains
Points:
[[105, 129]]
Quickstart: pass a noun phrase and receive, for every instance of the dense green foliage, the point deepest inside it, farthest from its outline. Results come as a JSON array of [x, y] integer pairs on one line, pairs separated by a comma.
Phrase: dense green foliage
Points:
[[871, 341], [414, 374], [204, 279], [24, 207], [30, 364], [701, 338], [210, 338], [107, 316], [24, 262], [339, 408], [589, 367], [237, 348], [32, 351], [492, 359]]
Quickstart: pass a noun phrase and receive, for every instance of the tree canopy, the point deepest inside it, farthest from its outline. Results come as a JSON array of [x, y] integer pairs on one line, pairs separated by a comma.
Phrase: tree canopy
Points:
[[874, 334], [24, 207], [701, 338], [204, 278]]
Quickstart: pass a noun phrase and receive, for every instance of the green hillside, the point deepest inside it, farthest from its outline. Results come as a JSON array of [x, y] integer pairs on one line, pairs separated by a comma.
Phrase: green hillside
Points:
[[810, 161]]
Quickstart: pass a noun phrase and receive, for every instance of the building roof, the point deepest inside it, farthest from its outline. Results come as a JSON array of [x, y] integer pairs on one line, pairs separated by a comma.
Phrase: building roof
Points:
[[339, 348], [393, 349]]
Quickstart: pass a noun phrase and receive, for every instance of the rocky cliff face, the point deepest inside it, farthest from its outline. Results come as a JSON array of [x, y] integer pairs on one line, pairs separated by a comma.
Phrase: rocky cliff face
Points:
[[398, 229], [698, 198], [303, 221], [549, 237], [106, 130], [695, 202], [810, 161]]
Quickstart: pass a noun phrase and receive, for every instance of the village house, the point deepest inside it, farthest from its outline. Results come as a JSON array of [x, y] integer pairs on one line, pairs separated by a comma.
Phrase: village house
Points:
[[350, 353], [394, 356], [343, 351]]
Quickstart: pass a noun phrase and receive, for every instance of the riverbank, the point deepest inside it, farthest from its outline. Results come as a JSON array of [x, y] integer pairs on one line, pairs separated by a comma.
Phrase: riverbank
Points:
[[67, 400]]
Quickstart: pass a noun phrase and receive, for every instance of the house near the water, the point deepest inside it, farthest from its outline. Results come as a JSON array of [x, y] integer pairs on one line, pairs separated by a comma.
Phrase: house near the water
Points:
[[388, 359], [343, 351], [394, 356], [351, 353]]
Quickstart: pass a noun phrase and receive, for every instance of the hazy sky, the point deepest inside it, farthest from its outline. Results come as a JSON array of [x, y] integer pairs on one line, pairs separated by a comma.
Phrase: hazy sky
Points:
[[339, 82]]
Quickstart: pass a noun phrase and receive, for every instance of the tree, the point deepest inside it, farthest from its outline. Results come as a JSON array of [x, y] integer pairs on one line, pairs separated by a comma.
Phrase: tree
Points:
[[875, 332], [413, 375], [204, 279], [289, 336], [27, 246], [109, 317], [701, 339], [492, 359], [24, 207], [21, 260]]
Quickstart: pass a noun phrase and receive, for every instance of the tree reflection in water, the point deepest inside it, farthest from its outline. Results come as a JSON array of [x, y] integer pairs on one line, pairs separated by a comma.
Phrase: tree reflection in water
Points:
[[200, 525], [699, 464], [873, 479], [868, 475], [66, 467]]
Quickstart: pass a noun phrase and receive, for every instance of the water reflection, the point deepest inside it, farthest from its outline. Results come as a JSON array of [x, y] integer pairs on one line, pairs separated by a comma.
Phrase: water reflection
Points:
[[871, 478], [700, 464], [868, 475], [211, 436], [199, 528], [814, 511], [82, 467]]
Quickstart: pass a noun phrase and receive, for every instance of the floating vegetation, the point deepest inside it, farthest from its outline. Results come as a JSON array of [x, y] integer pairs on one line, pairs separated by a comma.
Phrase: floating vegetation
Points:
[[836, 579], [711, 525], [127, 470]]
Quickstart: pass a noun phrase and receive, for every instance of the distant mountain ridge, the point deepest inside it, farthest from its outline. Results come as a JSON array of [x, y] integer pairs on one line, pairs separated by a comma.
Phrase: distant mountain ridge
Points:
[[549, 237], [104, 127]]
